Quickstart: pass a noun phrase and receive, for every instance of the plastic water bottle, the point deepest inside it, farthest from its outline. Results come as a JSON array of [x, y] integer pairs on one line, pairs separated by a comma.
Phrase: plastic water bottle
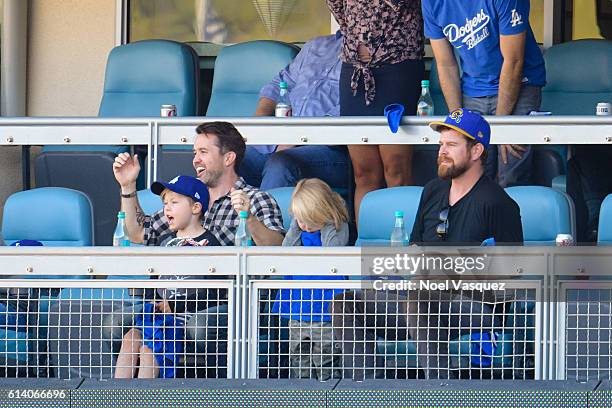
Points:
[[399, 236], [283, 106], [425, 106], [243, 236], [120, 236]]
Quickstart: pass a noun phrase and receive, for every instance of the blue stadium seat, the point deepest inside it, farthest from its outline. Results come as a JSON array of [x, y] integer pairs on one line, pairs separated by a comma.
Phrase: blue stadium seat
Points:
[[545, 212], [377, 213], [567, 93], [240, 72], [570, 88], [167, 73], [282, 195], [149, 202], [56, 217], [605, 222], [140, 77]]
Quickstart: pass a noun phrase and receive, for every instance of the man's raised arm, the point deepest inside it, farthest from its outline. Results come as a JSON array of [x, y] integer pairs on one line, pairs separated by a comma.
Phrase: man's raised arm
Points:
[[126, 170]]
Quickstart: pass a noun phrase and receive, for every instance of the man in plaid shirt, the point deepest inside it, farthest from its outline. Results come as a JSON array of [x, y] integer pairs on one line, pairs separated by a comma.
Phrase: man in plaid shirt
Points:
[[218, 151]]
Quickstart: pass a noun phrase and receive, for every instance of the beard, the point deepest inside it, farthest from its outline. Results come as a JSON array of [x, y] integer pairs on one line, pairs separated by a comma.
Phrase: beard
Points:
[[448, 170], [211, 177]]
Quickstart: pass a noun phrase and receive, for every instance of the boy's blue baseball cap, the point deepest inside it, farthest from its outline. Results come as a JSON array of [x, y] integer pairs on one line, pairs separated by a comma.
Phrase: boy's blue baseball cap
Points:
[[186, 185], [468, 123]]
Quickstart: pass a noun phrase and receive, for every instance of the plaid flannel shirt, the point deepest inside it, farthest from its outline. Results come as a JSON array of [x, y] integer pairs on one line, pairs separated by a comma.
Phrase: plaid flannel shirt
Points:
[[221, 219]]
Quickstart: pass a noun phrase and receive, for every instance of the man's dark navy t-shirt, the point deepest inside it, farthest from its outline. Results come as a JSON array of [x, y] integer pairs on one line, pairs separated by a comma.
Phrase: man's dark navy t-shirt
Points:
[[485, 211]]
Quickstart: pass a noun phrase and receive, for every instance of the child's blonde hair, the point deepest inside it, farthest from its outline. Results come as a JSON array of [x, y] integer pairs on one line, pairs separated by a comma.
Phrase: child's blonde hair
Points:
[[315, 203]]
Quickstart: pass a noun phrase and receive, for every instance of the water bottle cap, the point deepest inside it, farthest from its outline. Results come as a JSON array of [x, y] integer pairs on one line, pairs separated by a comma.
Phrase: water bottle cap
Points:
[[283, 85], [425, 82], [399, 214], [244, 214], [121, 214]]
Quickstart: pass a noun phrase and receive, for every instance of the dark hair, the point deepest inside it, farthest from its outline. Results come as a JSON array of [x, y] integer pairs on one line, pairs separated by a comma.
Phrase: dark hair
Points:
[[228, 139], [471, 143]]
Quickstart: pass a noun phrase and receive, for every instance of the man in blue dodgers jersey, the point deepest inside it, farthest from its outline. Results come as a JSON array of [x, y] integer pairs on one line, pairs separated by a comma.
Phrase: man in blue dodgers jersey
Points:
[[502, 68]]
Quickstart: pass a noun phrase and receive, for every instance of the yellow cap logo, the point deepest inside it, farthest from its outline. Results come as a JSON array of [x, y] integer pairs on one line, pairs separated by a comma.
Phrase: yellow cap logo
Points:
[[456, 115]]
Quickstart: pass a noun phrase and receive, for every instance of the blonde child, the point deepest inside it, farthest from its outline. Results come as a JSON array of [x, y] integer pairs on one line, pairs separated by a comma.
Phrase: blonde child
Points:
[[320, 218], [154, 345]]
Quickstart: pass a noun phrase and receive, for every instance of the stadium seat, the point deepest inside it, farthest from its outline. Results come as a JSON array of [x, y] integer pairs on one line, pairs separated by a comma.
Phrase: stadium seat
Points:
[[149, 202], [140, 77], [57, 217], [605, 222], [569, 93], [377, 213], [566, 93], [235, 91], [282, 195], [545, 212]]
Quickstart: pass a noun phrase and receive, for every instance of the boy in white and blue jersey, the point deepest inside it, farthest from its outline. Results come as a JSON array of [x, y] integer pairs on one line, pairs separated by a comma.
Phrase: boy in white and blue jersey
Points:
[[155, 343]]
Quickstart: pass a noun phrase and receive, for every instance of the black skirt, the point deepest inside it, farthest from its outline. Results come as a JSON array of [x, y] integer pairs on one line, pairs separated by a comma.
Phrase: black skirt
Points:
[[395, 83]]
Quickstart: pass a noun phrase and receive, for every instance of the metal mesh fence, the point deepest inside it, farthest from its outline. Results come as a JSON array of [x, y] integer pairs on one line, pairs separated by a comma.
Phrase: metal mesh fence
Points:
[[303, 329], [586, 331], [122, 329], [337, 329]]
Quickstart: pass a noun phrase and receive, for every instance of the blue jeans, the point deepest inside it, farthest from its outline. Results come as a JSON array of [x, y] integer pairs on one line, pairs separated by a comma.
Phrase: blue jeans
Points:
[[516, 171], [287, 167]]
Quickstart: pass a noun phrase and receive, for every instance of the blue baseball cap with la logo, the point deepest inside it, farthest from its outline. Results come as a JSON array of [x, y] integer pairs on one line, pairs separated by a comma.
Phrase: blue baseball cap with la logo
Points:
[[468, 123], [185, 185]]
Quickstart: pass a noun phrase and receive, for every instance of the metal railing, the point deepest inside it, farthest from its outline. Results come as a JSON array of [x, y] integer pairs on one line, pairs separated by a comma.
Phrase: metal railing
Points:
[[157, 132], [554, 314]]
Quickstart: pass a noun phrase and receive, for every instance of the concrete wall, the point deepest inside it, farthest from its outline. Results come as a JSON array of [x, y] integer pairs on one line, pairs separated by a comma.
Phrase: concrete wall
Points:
[[68, 43]]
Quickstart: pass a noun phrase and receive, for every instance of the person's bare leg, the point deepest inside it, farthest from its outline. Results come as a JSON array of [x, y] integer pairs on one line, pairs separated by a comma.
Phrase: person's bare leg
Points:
[[397, 163], [368, 170], [148, 365], [128, 355]]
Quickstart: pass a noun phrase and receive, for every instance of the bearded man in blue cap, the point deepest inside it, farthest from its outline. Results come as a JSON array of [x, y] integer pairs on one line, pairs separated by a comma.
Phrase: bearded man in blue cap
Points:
[[461, 207]]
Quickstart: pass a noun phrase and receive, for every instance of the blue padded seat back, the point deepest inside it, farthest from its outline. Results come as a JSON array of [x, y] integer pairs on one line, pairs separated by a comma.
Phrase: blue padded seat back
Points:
[[605, 222], [53, 215], [545, 212], [241, 70], [377, 213], [282, 195], [577, 77], [143, 75], [149, 202]]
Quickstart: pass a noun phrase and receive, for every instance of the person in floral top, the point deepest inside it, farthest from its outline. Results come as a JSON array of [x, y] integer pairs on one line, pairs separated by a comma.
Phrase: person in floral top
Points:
[[381, 64]]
